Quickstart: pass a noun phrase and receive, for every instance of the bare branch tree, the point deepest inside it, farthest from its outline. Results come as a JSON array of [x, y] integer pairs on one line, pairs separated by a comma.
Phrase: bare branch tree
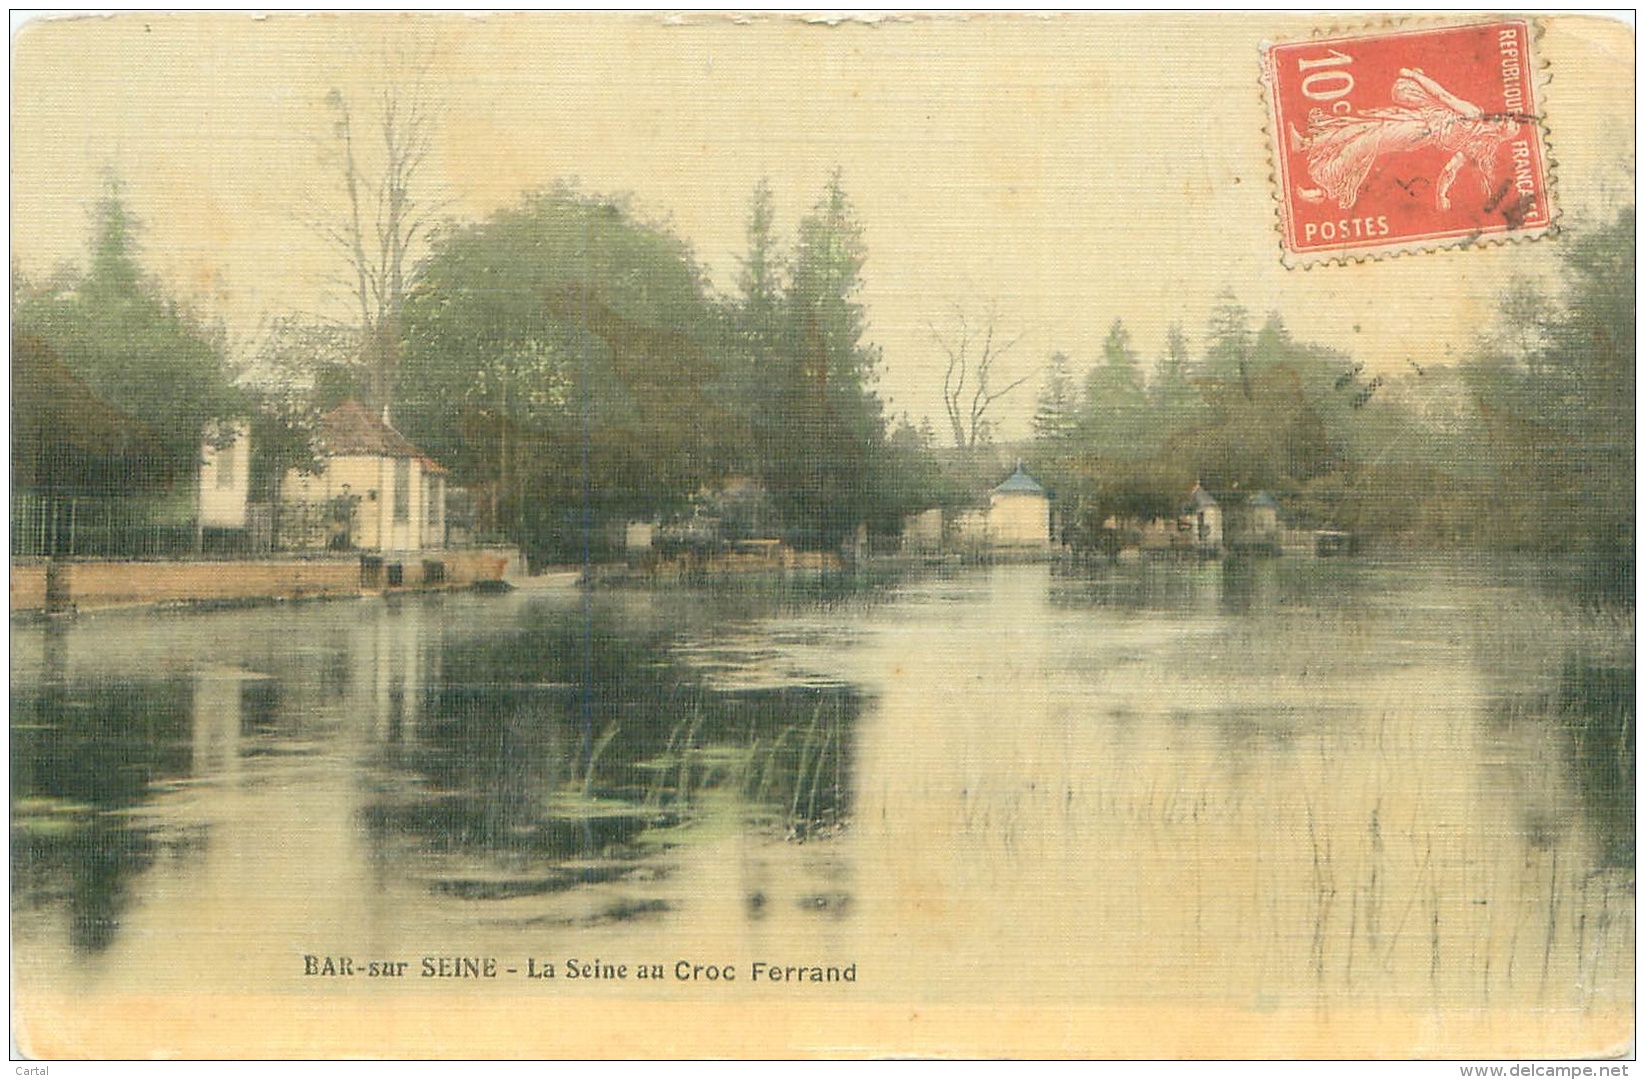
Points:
[[972, 351], [384, 218]]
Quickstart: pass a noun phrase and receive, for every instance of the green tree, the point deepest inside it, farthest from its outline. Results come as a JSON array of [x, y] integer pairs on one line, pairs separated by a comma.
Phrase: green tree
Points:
[[1056, 413], [826, 476], [1228, 342], [1262, 430], [302, 367], [759, 280], [913, 479], [1118, 422], [1272, 345], [1177, 405], [1593, 362], [560, 356], [134, 348], [754, 372], [1555, 384]]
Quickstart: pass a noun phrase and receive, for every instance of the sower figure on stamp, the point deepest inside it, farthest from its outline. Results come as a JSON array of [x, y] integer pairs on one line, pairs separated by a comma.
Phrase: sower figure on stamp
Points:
[[1342, 149]]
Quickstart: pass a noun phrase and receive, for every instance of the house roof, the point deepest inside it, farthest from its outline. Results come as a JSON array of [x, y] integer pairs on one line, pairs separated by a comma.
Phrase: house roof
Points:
[[1264, 501], [351, 428], [1200, 499], [64, 437], [1020, 483]]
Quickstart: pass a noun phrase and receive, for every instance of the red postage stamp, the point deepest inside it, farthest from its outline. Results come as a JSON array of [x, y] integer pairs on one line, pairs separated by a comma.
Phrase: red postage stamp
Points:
[[1407, 140]]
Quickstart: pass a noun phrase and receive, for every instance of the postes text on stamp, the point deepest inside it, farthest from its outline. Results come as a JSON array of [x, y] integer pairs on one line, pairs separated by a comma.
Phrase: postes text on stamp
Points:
[[1406, 141]]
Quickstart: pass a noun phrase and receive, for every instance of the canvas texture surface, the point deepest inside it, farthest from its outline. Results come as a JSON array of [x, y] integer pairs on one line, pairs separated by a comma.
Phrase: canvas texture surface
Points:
[[904, 535]]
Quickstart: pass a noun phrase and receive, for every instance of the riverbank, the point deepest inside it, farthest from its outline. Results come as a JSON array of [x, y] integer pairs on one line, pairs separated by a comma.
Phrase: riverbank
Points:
[[44, 586], [745, 560], [1424, 733]]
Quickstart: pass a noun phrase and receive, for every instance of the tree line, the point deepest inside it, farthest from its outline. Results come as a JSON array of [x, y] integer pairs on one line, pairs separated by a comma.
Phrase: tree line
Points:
[[565, 357], [1525, 443], [568, 360]]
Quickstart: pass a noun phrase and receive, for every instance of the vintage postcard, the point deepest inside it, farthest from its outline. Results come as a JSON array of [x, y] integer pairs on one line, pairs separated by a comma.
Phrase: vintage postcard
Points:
[[745, 535]]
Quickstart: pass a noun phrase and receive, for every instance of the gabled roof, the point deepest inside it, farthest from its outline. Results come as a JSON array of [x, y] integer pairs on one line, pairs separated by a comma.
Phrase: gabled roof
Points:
[[351, 428], [1020, 483], [1200, 499]]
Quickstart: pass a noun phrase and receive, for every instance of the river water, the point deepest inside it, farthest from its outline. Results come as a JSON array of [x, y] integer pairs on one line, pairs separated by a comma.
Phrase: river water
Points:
[[1254, 785]]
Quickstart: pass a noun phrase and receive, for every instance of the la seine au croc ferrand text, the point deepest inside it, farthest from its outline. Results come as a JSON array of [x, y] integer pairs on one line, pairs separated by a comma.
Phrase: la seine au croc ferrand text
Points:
[[572, 969]]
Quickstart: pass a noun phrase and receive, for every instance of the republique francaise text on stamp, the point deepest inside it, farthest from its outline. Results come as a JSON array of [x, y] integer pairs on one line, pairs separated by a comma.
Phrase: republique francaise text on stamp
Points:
[[1406, 141]]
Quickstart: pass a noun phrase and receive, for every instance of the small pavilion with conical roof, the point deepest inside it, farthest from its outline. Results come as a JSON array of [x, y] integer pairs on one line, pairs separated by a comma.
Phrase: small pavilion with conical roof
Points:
[[1019, 513]]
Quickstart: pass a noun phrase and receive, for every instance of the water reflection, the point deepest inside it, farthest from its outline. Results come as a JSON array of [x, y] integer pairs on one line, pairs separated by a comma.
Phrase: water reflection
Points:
[[82, 753], [1279, 781], [1597, 702], [480, 758], [1261, 782], [571, 738], [1569, 751]]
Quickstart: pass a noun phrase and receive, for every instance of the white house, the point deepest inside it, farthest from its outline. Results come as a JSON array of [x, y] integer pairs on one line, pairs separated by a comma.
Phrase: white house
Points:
[[1203, 515], [1019, 514], [225, 478], [375, 492]]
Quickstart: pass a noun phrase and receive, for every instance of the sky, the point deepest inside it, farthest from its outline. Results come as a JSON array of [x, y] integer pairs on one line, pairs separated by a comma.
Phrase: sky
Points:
[[1065, 170]]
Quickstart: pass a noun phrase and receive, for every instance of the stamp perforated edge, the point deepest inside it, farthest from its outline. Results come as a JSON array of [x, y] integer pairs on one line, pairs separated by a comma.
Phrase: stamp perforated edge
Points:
[[1539, 78]]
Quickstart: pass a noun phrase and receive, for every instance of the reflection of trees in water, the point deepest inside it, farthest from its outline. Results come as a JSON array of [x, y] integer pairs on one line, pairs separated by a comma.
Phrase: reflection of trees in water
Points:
[[86, 866], [80, 752], [1596, 706], [577, 737], [1562, 759], [1559, 661], [1563, 773], [1239, 585], [563, 739]]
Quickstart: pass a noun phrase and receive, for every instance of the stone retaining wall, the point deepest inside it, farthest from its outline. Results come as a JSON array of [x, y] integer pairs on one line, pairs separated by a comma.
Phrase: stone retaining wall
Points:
[[28, 586], [87, 585]]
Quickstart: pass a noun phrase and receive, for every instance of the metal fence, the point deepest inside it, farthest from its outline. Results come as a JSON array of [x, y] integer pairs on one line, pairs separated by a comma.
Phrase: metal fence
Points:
[[120, 527], [136, 527]]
